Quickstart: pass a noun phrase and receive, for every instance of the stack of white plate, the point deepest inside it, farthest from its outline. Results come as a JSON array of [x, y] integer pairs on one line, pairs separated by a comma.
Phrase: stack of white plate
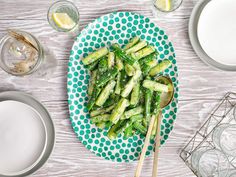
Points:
[[212, 32], [26, 134]]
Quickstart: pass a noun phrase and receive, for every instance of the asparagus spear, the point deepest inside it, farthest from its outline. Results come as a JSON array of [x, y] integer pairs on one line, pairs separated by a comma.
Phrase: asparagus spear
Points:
[[122, 55], [146, 67], [100, 118], [148, 102], [104, 95], [93, 98], [128, 131], [95, 107], [101, 125], [137, 47], [101, 111], [118, 88], [119, 63], [111, 59], [108, 124], [152, 63], [132, 42], [92, 82], [142, 95], [154, 129], [156, 102], [123, 126], [129, 70], [160, 67], [112, 131], [119, 110], [136, 66], [134, 111], [107, 76], [93, 65], [136, 118], [135, 95], [138, 126], [129, 86], [111, 101], [103, 65], [156, 109], [123, 79], [143, 52], [155, 86], [148, 58], [95, 56]]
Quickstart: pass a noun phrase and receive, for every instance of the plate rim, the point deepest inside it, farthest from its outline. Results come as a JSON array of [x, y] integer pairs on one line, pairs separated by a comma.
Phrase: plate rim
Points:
[[192, 32]]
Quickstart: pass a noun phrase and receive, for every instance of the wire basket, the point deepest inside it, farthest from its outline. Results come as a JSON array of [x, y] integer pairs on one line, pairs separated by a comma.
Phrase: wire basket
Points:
[[225, 112]]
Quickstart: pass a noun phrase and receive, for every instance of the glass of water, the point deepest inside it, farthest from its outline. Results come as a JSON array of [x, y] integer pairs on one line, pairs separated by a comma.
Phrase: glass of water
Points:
[[210, 162], [224, 138], [63, 16], [167, 5]]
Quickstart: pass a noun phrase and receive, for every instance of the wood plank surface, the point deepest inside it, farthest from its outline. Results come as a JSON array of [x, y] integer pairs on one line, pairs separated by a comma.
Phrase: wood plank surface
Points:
[[201, 86]]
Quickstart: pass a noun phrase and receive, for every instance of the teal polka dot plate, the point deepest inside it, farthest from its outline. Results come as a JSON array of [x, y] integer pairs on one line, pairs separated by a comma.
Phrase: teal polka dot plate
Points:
[[116, 27]]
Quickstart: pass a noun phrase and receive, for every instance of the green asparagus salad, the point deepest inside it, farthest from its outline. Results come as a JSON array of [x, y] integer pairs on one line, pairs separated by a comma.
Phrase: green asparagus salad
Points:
[[123, 91]]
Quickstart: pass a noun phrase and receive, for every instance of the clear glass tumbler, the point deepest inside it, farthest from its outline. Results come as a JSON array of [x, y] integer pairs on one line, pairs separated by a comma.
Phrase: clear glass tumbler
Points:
[[167, 5], [209, 162], [224, 138], [68, 18], [22, 54]]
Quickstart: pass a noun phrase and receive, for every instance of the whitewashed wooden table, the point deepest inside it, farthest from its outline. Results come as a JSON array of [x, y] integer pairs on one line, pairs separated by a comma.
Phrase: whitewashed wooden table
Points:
[[200, 86]]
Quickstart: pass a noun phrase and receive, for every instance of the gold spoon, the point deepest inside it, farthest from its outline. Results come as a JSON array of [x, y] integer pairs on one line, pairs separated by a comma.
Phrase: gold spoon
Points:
[[165, 100]]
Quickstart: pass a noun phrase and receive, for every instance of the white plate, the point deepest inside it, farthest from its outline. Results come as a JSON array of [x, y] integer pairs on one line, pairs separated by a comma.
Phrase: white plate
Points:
[[211, 33], [23, 137], [217, 31]]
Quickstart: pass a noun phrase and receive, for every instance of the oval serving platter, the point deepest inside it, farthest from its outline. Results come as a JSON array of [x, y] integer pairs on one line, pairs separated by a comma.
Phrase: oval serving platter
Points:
[[116, 27]]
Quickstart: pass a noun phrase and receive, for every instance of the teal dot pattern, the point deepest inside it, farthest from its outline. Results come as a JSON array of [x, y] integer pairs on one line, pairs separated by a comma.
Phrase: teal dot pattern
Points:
[[116, 27]]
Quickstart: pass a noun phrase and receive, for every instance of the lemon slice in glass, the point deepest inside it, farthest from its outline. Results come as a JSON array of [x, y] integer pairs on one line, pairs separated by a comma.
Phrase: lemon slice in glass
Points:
[[164, 5], [63, 20]]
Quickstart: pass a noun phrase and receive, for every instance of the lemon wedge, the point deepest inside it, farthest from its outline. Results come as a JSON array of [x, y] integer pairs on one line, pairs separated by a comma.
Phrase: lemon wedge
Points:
[[164, 4], [63, 20]]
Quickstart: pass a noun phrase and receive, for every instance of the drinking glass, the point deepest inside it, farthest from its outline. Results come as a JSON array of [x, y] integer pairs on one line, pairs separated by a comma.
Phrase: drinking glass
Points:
[[64, 7], [224, 138], [22, 54], [209, 162], [167, 5]]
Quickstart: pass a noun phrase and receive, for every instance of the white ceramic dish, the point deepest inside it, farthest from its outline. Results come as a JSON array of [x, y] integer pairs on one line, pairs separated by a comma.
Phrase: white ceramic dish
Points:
[[26, 134], [23, 137], [212, 33]]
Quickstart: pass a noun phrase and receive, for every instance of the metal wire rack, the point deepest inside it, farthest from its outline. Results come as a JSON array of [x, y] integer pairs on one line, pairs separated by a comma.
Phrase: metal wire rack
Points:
[[224, 112]]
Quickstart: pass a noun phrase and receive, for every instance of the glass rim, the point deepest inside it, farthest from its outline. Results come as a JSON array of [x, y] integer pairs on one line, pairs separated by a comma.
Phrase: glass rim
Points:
[[165, 11], [39, 58], [58, 2]]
